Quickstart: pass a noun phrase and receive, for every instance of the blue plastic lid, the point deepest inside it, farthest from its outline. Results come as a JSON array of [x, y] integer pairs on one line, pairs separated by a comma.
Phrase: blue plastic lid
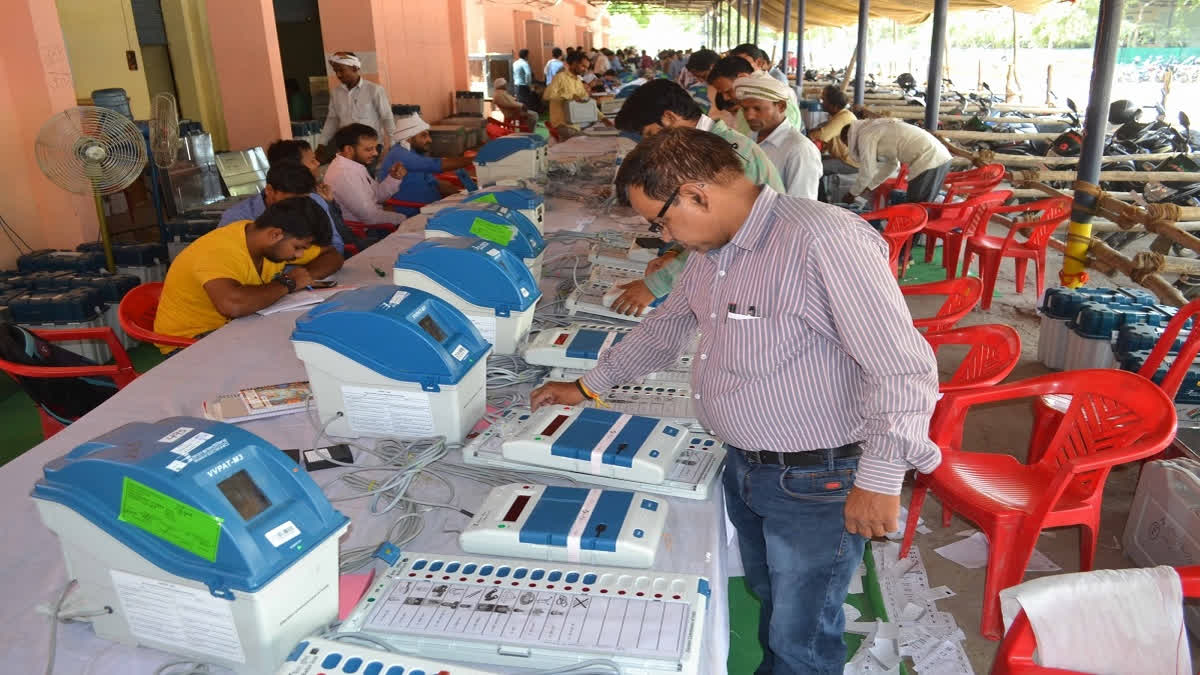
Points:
[[511, 196], [1064, 305], [154, 487], [524, 240], [1137, 337], [1140, 296], [500, 148], [1096, 320], [402, 333], [475, 270]]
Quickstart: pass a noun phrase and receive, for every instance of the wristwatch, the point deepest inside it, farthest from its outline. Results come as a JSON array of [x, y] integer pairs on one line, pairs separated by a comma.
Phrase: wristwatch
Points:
[[288, 282]]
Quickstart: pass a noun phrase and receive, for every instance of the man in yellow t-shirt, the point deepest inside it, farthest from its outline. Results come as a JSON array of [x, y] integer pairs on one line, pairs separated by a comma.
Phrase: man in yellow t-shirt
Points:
[[238, 269]]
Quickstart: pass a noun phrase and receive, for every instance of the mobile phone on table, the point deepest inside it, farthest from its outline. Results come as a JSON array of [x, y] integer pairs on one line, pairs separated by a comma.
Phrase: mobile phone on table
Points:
[[317, 459], [324, 283]]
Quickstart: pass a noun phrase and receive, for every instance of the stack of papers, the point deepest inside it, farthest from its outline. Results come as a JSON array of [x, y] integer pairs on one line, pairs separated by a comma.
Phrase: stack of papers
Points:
[[302, 299]]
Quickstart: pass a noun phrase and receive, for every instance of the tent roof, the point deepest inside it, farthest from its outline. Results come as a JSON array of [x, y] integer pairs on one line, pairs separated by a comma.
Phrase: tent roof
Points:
[[845, 12]]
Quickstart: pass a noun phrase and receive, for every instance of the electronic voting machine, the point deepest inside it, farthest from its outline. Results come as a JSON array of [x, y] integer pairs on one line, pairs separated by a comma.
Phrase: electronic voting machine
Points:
[[529, 203], [522, 614], [515, 156], [390, 361], [597, 294], [485, 282], [318, 656], [632, 452], [632, 255], [577, 345], [203, 538], [568, 524], [497, 224]]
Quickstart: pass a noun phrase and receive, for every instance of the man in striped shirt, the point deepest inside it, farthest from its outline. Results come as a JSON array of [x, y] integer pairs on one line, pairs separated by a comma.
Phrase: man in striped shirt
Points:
[[808, 366]]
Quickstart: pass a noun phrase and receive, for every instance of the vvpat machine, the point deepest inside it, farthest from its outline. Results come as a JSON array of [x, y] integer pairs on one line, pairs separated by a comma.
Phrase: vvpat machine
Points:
[[486, 282], [389, 361], [495, 223], [529, 203], [204, 539], [516, 156]]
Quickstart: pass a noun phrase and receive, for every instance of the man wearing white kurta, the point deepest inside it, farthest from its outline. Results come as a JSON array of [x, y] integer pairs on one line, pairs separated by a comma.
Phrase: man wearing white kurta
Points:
[[764, 103], [356, 99]]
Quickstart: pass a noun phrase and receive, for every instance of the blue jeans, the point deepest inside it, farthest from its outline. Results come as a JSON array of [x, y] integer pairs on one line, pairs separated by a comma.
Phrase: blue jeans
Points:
[[798, 558]]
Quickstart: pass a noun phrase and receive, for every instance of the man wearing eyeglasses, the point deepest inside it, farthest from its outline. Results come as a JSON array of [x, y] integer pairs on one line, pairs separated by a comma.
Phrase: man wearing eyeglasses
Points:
[[808, 367], [659, 105]]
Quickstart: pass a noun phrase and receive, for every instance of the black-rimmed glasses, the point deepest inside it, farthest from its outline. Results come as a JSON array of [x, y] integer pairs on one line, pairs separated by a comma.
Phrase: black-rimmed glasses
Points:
[[656, 224]]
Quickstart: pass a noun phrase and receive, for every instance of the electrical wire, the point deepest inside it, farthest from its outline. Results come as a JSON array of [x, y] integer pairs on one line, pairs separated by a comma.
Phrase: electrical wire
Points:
[[189, 668], [402, 463], [62, 597]]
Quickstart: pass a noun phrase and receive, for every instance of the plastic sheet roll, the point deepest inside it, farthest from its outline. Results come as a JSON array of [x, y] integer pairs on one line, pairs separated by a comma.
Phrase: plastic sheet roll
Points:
[[1106, 622]]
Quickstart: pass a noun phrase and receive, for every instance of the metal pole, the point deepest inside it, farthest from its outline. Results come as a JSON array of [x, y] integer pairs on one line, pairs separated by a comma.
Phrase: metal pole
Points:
[[757, 18], [1104, 60], [860, 77], [933, 88], [800, 8], [728, 23], [787, 16], [738, 29]]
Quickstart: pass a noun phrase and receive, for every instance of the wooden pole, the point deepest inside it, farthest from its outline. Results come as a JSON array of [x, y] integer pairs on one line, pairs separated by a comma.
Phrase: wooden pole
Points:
[[1168, 77], [1016, 76], [850, 68]]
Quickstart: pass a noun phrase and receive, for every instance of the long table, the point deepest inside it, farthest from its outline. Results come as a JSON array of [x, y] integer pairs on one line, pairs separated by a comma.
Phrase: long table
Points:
[[249, 352]]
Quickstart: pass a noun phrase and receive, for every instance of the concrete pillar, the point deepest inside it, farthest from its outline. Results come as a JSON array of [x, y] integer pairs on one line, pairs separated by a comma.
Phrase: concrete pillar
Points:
[[192, 61], [35, 83], [249, 71]]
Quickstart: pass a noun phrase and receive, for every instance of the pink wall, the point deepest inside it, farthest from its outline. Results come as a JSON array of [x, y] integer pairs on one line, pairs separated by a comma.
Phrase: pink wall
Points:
[[502, 27], [421, 61], [249, 71], [44, 214], [419, 46]]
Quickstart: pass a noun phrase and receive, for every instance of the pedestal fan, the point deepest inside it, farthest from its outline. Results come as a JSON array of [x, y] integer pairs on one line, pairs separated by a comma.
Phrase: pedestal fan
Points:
[[90, 150]]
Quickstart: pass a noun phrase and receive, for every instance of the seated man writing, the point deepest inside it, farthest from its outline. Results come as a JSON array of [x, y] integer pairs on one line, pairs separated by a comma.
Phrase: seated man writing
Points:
[[290, 185], [239, 269], [411, 151], [360, 196]]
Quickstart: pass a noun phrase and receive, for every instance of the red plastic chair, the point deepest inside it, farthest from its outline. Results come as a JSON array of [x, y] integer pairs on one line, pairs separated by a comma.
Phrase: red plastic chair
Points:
[[902, 222], [962, 294], [495, 128], [1015, 656], [991, 250], [952, 223], [972, 182], [994, 351], [1048, 410], [136, 314], [900, 182], [121, 372], [1114, 417]]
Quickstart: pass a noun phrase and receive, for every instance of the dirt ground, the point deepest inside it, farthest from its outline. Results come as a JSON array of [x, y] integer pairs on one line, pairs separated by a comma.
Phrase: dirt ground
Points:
[[1006, 429]]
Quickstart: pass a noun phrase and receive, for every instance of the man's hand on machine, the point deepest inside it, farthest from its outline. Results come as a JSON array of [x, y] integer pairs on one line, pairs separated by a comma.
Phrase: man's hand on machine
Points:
[[555, 393], [636, 298], [871, 514], [657, 264]]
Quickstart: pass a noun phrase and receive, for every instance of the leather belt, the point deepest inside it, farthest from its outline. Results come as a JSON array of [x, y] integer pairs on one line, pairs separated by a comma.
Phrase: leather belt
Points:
[[805, 458]]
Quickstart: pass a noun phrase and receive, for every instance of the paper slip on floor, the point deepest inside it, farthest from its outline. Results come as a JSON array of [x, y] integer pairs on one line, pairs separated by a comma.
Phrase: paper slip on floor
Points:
[[916, 628], [972, 553]]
